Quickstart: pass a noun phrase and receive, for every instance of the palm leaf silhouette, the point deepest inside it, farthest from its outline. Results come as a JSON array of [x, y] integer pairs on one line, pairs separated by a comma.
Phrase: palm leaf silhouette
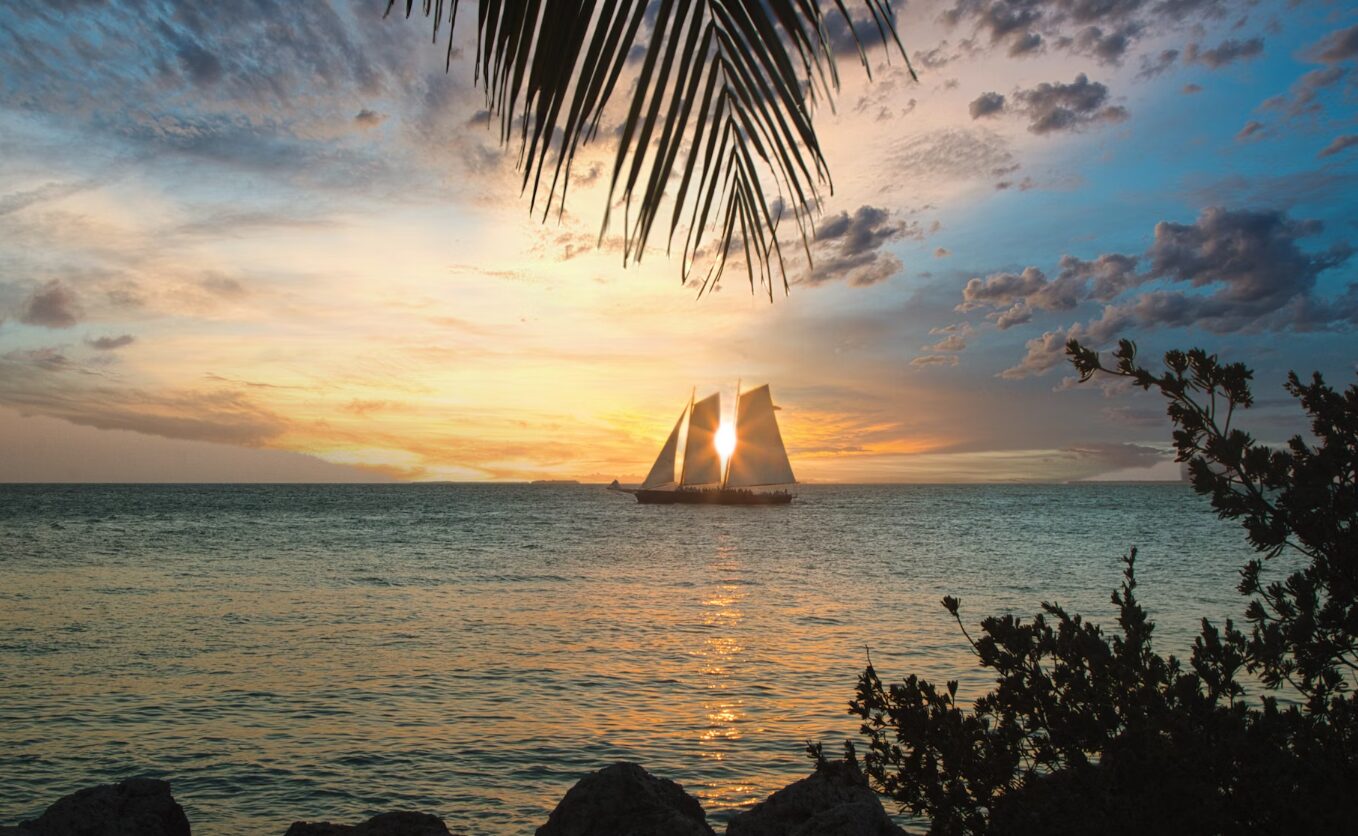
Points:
[[722, 103]]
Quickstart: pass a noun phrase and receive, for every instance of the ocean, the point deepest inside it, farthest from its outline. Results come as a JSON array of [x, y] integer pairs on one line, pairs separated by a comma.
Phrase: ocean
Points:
[[330, 652]]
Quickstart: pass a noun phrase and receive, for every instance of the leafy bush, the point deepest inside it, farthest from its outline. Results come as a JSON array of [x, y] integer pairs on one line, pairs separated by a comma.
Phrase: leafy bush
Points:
[[1086, 732]]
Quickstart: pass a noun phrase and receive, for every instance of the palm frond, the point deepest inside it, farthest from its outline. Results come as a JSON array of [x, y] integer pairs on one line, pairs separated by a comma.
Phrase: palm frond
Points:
[[722, 102]]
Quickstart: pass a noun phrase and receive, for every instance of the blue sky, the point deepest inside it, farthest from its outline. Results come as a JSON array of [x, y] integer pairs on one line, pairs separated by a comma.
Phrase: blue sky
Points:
[[280, 236]]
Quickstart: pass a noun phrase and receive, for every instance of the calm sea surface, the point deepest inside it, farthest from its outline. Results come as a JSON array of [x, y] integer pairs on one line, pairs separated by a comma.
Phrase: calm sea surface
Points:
[[287, 652]]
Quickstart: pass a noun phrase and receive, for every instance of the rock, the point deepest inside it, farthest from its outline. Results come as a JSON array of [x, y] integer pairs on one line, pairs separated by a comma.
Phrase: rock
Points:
[[833, 801], [386, 824], [135, 807], [626, 800]]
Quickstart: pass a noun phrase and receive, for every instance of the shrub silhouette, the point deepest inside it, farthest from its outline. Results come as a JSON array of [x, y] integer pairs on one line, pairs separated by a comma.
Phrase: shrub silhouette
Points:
[[1087, 732]]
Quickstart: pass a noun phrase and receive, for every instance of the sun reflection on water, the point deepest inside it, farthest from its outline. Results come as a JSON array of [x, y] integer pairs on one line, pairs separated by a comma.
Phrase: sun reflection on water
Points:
[[720, 653]]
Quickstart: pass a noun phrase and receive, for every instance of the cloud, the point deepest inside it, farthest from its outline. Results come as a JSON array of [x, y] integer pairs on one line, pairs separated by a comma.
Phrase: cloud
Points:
[[952, 154], [986, 104], [1340, 143], [1252, 257], [1152, 67], [16, 201], [1056, 107], [1246, 270], [954, 337], [1301, 96], [1107, 47], [1190, 89], [49, 359], [1133, 417], [934, 360], [1109, 274], [1336, 46], [53, 305], [224, 286], [244, 85], [46, 382], [110, 343], [1227, 52], [1001, 289], [1118, 455], [1043, 354], [1105, 30], [1250, 131], [366, 118], [1048, 351], [849, 247], [1027, 291]]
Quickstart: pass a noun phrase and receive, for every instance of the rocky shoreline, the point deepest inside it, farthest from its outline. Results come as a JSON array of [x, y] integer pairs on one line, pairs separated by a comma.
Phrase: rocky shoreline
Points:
[[619, 800]]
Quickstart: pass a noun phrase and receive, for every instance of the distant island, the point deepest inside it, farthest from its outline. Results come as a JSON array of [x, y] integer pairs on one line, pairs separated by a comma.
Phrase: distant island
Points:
[[555, 482]]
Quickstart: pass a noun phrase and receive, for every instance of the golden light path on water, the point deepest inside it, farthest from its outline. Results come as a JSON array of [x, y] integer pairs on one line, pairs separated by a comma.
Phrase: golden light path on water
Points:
[[719, 653]]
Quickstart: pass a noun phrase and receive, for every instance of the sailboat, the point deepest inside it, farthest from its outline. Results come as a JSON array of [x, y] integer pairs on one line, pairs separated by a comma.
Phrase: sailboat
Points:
[[757, 471]]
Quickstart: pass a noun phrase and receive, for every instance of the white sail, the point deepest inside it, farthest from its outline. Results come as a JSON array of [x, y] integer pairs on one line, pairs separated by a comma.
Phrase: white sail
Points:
[[662, 472], [759, 458], [702, 465]]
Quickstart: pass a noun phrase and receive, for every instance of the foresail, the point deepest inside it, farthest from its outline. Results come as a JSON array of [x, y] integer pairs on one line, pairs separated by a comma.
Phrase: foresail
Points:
[[702, 465], [759, 457], [662, 472]]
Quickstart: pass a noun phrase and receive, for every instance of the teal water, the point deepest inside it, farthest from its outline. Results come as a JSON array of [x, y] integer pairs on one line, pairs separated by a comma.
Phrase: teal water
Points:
[[285, 652]]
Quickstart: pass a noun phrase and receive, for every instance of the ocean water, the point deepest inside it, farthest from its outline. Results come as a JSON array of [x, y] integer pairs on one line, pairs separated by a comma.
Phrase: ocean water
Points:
[[289, 652]]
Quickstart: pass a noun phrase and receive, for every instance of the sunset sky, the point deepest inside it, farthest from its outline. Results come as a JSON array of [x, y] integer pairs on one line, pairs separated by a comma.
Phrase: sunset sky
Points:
[[277, 242]]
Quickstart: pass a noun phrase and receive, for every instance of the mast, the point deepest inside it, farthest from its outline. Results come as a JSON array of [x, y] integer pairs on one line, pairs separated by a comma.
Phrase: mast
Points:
[[735, 428], [702, 465]]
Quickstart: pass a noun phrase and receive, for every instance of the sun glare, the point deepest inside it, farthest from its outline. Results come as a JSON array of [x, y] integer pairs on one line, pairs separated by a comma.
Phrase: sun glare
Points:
[[725, 440]]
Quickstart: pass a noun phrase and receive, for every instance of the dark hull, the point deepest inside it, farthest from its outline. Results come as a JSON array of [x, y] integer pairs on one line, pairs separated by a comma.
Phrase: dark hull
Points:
[[712, 497]]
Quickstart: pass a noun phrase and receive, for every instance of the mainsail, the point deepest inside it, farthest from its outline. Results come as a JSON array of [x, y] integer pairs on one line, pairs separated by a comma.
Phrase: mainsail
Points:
[[702, 465], [662, 472], [759, 457]]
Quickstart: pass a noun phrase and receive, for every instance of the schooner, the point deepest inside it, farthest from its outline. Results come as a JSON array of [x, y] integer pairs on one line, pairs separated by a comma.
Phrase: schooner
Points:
[[757, 471]]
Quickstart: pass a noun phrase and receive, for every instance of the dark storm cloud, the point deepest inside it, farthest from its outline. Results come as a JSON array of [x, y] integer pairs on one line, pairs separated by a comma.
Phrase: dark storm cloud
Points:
[[850, 247], [1340, 143], [1226, 52], [986, 104], [53, 305], [1057, 107], [110, 343]]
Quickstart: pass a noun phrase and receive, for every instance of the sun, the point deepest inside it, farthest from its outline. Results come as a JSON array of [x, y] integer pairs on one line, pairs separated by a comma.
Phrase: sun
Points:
[[725, 440]]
